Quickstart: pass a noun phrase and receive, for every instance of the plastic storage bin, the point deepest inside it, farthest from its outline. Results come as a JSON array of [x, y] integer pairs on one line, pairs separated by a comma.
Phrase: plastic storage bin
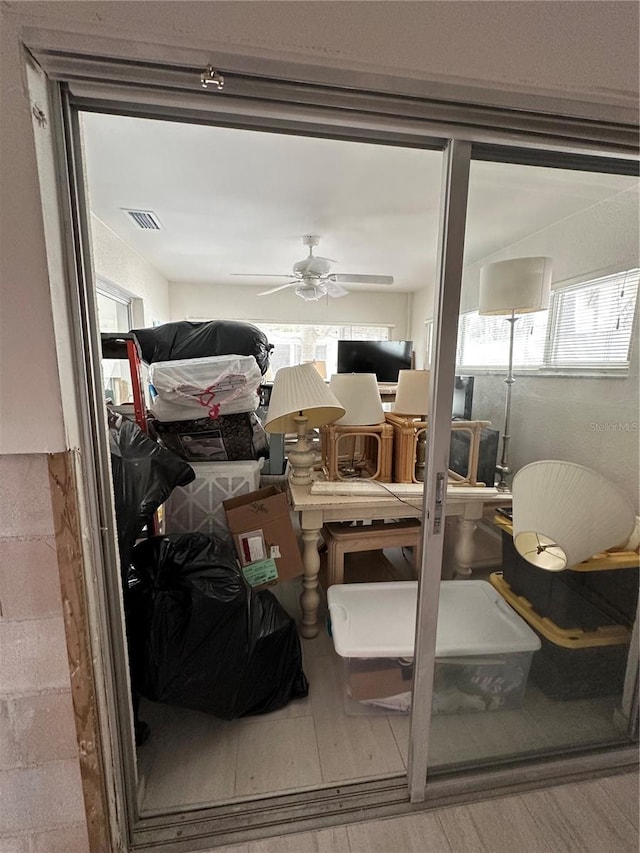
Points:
[[197, 508], [592, 594], [483, 648], [572, 663]]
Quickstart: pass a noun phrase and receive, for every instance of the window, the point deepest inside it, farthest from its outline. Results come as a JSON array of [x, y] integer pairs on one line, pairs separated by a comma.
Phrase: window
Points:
[[587, 327], [295, 343], [593, 322], [114, 315], [114, 312]]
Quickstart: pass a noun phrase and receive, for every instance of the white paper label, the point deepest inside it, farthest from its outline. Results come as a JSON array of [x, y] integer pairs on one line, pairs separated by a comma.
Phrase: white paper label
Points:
[[256, 551], [275, 552]]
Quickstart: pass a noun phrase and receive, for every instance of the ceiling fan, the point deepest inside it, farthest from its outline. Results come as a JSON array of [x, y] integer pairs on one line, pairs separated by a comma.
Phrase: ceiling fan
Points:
[[313, 279]]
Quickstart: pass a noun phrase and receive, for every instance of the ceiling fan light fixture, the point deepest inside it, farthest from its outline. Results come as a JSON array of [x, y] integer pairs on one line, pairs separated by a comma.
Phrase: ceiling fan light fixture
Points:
[[311, 292]]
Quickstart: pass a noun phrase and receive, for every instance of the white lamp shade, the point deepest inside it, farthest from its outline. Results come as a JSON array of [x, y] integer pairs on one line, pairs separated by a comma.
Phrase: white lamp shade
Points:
[[321, 367], [300, 390], [564, 513], [360, 396], [412, 396], [521, 285]]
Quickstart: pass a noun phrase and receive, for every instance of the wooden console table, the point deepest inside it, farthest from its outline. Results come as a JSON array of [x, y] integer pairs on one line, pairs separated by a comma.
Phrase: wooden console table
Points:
[[465, 502]]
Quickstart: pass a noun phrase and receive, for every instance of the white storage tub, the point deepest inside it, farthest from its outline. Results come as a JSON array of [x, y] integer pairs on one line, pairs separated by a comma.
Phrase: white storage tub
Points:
[[197, 508], [483, 648]]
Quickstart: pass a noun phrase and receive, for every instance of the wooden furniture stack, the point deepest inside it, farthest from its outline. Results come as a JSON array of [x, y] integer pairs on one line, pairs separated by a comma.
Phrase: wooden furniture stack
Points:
[[407, 432], [368, 449]]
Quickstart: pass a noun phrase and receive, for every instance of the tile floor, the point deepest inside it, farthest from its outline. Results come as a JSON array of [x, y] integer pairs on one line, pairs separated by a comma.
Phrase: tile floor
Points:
[[194, 759], [590, 817]]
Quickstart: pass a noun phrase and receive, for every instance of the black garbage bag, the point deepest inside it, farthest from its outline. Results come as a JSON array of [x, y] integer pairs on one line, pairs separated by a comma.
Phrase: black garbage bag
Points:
[[144, 475], [211, 643], [185, 339]]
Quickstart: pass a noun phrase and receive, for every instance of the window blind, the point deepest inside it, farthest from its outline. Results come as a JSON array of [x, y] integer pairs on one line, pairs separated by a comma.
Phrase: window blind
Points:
[[593, 322], [587, 327]]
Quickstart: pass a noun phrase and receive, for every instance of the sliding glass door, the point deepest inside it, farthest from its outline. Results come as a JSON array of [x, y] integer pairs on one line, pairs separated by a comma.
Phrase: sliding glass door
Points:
[[552, 254], [487, 683]]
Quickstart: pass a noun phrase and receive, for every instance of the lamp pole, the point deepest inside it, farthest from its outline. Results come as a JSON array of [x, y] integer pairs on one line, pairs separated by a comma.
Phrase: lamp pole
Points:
[[503, 468]]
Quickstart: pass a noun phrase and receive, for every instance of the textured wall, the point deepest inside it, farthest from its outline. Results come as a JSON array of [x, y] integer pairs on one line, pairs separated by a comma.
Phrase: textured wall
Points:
[[119, 264]]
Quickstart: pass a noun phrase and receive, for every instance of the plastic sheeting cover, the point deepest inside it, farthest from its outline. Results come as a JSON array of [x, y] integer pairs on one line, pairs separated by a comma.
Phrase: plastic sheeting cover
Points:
[[185, 339], [144, 475]]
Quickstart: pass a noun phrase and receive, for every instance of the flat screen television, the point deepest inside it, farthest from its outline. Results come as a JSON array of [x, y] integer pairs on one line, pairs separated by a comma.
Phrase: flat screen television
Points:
[[384, 358]]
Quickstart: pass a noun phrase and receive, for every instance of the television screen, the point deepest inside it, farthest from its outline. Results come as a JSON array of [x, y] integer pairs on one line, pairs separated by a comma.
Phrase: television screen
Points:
[[487, 455], [462, 398], [384, 358]]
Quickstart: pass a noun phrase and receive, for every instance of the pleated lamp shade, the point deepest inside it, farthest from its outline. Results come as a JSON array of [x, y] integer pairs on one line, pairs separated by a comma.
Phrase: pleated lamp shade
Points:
[[300, 390], [412, 396], [522, 285], [564, 513], [360, 396]]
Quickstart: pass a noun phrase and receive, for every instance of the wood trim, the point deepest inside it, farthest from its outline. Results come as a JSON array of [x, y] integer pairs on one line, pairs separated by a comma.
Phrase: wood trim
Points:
[[64, 502]]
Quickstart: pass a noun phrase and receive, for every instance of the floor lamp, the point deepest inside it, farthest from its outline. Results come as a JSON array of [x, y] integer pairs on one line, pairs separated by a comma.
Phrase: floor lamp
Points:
[[513, 287]]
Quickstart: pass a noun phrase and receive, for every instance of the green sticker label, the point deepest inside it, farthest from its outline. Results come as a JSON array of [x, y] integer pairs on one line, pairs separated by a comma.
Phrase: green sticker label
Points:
[[262, 571]]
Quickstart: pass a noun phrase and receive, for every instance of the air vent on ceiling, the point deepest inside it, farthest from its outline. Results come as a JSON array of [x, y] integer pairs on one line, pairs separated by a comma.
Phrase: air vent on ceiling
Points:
[[145, 219]]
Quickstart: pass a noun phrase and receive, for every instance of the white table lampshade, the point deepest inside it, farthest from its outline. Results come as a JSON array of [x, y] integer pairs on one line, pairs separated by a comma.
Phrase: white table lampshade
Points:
[[320, 366], [520, 285], [564, 513], [300, 390], [359, 394], [412, 396]]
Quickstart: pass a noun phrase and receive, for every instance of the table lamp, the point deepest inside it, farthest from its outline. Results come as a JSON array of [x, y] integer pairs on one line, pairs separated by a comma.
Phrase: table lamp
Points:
[[360, 396], [301, 400], [513, 287], [564, 513], [412, 396], [412, 399]]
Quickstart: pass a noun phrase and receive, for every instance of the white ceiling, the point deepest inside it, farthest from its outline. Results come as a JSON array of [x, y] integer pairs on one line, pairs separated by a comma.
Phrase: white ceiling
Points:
[[236, 202]]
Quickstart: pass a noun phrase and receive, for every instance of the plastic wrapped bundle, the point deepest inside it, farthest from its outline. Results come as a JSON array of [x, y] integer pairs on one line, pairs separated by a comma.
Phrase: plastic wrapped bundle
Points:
[[209, 642], [192, 388], [184, 339]]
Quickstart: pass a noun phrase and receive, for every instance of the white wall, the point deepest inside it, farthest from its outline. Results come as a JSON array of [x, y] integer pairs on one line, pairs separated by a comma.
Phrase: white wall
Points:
[[119, 264], [590, 56], [198, 301], [590, 421]]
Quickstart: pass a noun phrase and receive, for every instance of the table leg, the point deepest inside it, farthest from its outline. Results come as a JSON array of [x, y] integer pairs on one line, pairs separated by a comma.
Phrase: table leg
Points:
[[310, 598], [464, 547]]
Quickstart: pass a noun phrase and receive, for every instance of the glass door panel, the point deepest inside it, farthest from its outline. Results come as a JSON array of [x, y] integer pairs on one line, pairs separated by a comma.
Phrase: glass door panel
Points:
[[375, 211], [553, 662]]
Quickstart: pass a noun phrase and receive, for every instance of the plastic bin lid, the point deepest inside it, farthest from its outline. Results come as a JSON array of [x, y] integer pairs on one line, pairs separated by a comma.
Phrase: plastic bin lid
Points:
[[370, 620], [235, 467]]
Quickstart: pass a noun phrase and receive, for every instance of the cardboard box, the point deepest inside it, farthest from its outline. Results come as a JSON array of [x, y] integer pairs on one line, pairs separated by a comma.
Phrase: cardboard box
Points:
[[266, 511], [378, 677]]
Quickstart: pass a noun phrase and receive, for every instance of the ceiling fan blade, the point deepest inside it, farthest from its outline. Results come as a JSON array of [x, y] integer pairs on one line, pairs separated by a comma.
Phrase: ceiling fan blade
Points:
[[260, 275], [276, 289], [335, 290], [346, 278]]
